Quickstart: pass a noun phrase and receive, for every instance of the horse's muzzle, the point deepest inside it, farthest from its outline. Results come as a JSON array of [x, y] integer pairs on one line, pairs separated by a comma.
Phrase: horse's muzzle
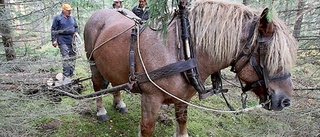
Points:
[[278, 102]]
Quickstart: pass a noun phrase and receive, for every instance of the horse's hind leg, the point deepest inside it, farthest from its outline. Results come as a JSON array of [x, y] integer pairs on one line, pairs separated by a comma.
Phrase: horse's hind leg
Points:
[[99, 83], [117, 100], [181, 118], [118, 103]]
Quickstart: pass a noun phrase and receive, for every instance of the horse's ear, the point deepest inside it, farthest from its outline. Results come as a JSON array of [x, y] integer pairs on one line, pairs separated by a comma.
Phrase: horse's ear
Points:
[[266, 27]]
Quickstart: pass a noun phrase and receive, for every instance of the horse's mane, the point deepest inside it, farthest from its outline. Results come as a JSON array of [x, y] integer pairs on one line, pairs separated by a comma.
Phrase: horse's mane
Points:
[[281, 49], [217, 27]]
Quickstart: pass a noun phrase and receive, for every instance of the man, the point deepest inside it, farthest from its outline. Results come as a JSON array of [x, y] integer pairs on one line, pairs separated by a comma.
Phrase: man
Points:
[[117, 4], [64, 27], [141, 10]]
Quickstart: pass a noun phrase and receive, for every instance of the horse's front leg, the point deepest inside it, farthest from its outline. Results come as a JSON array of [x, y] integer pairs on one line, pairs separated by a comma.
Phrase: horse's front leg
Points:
[[150, 106], [181, 118], [98, 84], [118, 103]]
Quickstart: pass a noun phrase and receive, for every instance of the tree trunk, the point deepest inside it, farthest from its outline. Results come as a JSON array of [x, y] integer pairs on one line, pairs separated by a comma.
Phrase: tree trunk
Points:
[[298, 21], [245, 2], [5, 32]]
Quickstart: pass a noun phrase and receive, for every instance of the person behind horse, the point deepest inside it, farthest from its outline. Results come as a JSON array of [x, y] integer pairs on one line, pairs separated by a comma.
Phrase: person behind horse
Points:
[[117, 4], [64, 27], [142, 10]]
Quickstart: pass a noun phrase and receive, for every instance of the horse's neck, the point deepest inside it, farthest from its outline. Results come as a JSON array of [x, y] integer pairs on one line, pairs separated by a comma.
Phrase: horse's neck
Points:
[[208, 65]]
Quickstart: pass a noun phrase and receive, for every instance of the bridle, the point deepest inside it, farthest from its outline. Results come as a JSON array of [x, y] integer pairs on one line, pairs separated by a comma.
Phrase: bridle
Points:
[[252, 59]]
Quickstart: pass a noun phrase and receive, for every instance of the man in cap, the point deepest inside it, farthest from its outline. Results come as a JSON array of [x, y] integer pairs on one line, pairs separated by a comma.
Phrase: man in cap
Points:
[[141, 10], [64, 27], [117, 4]]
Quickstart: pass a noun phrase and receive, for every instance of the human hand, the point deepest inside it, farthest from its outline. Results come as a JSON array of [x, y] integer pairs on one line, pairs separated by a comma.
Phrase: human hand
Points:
[[54, 43], [75, 34]]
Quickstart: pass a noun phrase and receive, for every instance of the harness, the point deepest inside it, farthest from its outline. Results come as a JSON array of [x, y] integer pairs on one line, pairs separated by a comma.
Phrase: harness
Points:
[[188, 64], [258, 50]]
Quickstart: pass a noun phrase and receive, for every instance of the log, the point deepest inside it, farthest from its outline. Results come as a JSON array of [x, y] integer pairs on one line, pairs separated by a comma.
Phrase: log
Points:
[[24, 81], [26, 78]]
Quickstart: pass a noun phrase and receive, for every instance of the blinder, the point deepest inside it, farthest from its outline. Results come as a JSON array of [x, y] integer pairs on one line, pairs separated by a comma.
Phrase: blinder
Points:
[[259, 68]]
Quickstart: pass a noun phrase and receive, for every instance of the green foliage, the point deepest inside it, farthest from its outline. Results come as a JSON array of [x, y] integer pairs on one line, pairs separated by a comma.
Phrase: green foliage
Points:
[[161, 13], [88, 4], [271, 14]]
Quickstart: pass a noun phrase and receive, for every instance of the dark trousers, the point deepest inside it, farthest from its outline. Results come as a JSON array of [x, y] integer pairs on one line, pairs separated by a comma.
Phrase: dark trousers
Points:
[[68, 59]]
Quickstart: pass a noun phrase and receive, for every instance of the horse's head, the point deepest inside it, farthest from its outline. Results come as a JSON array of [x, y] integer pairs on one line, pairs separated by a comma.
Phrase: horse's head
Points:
[[264, 63], [262, 49]]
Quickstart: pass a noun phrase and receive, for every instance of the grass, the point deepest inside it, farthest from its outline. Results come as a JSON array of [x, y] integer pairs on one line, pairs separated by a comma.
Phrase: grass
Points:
[[77, 118], [23, 115], [200, 123]]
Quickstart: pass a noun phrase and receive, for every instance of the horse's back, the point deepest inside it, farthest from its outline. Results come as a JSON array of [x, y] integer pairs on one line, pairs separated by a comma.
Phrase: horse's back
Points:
[[104, 24], [107, 40], [108, 33]]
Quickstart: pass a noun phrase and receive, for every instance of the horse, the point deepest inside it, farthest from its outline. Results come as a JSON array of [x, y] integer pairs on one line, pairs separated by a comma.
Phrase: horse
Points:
[[259, 48]]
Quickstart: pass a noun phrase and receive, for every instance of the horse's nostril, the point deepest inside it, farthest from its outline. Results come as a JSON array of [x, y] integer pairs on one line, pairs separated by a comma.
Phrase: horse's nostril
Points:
[[285, 102]]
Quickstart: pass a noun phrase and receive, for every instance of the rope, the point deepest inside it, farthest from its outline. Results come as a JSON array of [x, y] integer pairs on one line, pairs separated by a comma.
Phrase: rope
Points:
[[177, 98], [100, 45], [77, 44]]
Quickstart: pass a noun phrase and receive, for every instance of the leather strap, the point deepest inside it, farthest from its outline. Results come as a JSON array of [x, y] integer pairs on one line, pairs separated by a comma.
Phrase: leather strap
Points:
[[168, 70]]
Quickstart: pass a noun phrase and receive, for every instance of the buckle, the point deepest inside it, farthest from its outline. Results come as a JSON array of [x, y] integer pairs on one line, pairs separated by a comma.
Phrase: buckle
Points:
[[210, 92]]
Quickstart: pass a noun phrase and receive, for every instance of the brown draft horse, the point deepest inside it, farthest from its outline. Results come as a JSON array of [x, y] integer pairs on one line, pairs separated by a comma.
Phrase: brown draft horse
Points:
[[220, 33]]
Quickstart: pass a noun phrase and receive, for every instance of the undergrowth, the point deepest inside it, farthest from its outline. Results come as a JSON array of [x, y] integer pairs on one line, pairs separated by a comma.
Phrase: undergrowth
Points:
[[37, 115]]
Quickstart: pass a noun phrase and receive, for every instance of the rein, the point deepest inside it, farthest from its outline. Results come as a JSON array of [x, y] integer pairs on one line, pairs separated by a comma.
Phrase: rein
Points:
[[100, 45], [188, 66], [186, 102]]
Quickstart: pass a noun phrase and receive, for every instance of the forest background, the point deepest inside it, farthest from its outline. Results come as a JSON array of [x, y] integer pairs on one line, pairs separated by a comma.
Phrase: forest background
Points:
[[28, 60]]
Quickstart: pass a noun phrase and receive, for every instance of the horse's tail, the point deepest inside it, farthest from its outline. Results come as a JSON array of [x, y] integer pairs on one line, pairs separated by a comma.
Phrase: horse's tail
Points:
[[90, 37], [91, 33]]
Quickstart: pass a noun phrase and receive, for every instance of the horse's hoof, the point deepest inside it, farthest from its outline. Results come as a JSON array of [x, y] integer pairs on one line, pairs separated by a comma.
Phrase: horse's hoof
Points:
[[102, 118], [122, 110]]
